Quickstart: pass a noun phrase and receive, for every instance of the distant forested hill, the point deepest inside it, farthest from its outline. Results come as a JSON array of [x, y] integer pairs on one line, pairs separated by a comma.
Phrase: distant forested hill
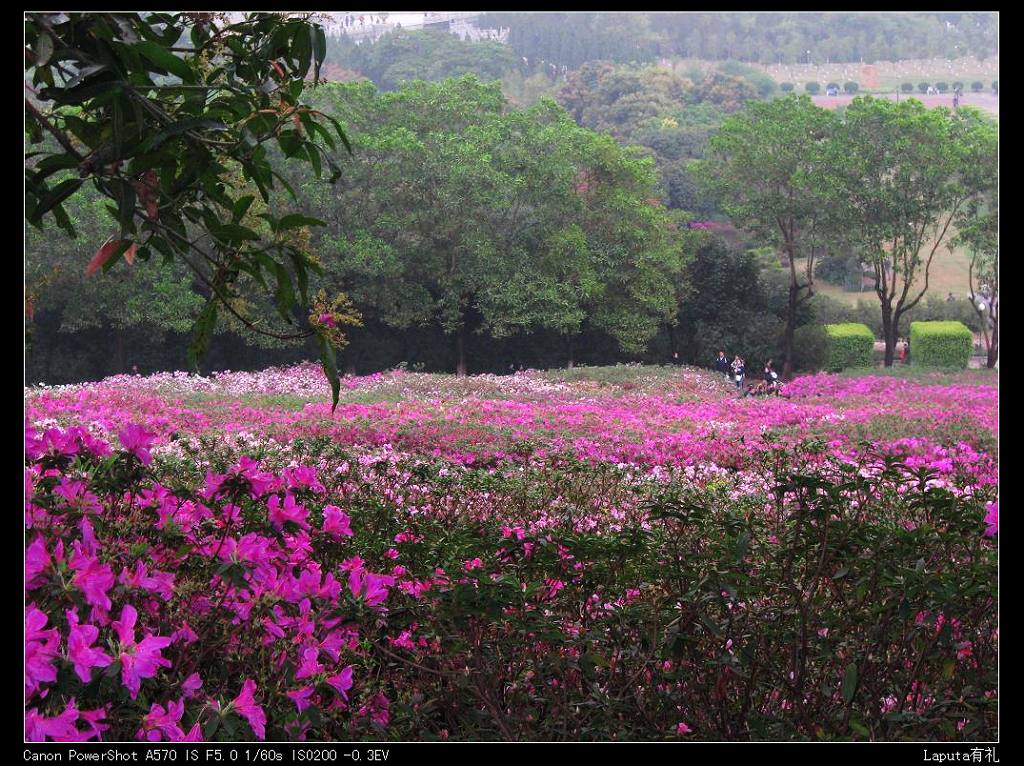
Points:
[[572, 39]]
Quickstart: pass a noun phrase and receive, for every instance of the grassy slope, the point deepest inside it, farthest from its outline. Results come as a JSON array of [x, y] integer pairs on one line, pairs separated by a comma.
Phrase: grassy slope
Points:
[[948, 274]]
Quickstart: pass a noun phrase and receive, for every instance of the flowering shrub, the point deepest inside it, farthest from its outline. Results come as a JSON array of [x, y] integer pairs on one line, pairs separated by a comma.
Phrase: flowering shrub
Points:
[[187, 580]]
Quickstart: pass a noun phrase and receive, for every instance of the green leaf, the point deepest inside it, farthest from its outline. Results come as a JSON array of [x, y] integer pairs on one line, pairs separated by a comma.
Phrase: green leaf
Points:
[[233, 232], [55, 196], [241, 207], [182, 126], [166, 60], [285, 294], [850, 682], [202, 332], [296, 220]]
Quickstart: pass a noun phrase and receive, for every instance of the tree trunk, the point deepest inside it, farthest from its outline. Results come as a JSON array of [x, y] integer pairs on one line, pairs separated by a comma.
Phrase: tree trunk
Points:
[[993, 347], [787, 364], [460, 350], [571, 360], [889, 325]]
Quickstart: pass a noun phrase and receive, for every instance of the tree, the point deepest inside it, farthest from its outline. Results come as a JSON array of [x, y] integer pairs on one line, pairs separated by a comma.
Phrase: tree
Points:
[[461, 211], [978, 225], [899, 186], [764, 165], [421, 55], [162, 113]]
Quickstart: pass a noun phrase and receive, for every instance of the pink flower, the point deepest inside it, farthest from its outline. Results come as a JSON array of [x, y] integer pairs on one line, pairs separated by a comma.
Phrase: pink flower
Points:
[[310, 665], [161, 583], [342, 682], [37, 561], [41, 649], [92, 578], [992, 519], [682, 728], [138, 660], [372, 588], [246, 706], [470, 565], [191, 685], [163, 722], [336, 522], [137, 440], [301, 697], [80, 648], [58, 729], [291, 511]]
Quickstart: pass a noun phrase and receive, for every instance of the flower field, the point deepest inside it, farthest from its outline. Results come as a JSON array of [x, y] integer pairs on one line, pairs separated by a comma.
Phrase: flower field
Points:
[[631, 553]]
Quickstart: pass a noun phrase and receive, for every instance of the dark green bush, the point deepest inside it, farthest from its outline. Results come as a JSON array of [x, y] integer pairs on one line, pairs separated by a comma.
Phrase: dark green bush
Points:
[[942, 87], [851, 87], [923, 86], [850, 345], [810, 348], [958, 84], [812, 87], [977, 86], [786, 87], [940, 344], [907, 87]]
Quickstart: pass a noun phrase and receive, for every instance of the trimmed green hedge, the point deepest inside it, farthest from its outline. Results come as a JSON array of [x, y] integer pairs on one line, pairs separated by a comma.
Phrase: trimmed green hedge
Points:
[[850, 345], [940, 344]]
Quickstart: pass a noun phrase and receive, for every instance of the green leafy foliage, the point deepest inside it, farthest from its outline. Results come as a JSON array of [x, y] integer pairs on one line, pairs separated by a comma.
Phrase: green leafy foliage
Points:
[[462, 212], [161, 114], [405, 55]]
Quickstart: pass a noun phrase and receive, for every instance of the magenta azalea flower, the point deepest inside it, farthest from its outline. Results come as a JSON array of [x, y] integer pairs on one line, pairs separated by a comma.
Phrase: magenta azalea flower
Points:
[[92, 578], [310, 664], [137, 440], [160, 723], [41, 649], [342, 682], [138, 660], [58, 729], [301, 697], [291, 511], [992, 519], [246, 706], [37, 561], [372, 588], [336, 522], [80, 648]]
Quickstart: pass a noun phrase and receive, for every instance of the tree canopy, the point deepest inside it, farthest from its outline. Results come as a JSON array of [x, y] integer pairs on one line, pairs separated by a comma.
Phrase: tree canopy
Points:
[[462, 211], [168, 116]]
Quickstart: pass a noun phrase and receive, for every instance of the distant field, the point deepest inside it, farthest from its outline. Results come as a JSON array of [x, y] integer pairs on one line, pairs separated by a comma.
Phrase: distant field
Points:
[[948, 274], [988, 102], [888, 75]]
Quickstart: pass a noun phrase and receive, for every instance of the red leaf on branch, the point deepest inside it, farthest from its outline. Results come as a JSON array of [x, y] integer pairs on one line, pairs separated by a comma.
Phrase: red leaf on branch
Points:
[[104, 254], [147, 187]]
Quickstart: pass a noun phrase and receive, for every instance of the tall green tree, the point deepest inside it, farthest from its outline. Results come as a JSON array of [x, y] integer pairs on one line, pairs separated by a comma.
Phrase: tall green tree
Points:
[[765, 167], [161, 113], [978, 224], [462, 211], [902, 176]]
